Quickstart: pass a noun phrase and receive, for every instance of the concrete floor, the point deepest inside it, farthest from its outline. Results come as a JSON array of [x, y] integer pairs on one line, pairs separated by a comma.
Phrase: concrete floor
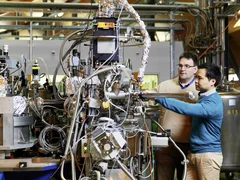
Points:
[[235, 177]]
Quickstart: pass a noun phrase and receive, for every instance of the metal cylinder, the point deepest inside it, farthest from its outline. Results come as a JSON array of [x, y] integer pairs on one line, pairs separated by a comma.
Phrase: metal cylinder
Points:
[[140, 109], [229, 132], [5, 49], [120, 95], [187, 94]]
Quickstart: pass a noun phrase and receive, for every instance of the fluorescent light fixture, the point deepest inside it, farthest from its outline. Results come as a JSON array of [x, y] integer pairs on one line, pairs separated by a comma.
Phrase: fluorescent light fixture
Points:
[[233, 77], [162, 36], [2, 30], [60, 14], [237, 24], [37, 14]]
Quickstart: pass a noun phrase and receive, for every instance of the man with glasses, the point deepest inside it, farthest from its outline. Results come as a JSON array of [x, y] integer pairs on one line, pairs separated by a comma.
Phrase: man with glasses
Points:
[[169, 159], [205, 155]]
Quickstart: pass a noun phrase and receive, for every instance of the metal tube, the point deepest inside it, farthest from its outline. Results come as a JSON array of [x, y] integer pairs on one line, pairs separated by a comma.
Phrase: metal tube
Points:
[[93, 6], [188, 95], [14, 27], [172, 48], [140, 153], [120, 95], [25, 18], [31, 38], [73, 165]]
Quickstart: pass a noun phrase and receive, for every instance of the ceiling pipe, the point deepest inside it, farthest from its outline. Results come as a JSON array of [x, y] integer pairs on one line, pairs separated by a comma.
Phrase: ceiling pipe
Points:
[[76, 11], [44, 27], [37, 19]]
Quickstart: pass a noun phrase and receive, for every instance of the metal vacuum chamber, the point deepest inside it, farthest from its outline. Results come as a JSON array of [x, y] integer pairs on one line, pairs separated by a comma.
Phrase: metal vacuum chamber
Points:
[[230, 131]]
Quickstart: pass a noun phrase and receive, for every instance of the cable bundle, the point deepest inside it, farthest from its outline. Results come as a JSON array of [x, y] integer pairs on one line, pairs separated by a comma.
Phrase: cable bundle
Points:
[[51, 143]]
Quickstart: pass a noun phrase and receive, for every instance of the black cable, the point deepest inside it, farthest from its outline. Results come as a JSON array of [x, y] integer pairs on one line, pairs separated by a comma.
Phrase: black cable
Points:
[[16, 69]]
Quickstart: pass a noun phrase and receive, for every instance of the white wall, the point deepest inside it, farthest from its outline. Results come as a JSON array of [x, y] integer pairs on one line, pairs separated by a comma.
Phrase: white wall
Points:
[[158, 61], [159, 58]]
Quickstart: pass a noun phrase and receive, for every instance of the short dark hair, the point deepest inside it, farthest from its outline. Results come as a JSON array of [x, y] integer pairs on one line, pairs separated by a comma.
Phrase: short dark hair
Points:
[[190, 55], [212, 72]]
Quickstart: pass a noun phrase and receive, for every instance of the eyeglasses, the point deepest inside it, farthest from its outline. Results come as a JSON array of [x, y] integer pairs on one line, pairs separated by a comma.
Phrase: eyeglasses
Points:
[[186, 66]]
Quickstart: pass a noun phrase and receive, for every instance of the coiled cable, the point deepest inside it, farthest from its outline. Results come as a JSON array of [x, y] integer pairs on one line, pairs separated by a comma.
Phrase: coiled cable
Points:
[[49, 143]]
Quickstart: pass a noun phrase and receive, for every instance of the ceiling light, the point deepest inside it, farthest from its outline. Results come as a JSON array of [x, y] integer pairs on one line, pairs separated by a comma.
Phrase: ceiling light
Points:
[[2, 30], [60, 14], [237, 24], [37, 14]]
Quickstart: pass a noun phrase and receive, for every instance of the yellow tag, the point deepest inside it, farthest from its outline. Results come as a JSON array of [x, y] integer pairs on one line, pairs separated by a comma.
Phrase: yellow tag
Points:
[[105, 25], [37, 67]]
